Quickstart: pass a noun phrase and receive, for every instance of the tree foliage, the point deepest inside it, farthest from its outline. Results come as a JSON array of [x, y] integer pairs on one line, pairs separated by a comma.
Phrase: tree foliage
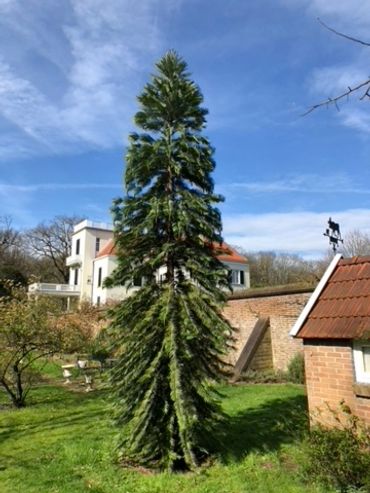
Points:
[[170, 334], [31, 330]]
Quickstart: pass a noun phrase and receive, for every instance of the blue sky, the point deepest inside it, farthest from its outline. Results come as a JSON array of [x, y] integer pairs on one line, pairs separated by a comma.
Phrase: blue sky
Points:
[[70, 72]]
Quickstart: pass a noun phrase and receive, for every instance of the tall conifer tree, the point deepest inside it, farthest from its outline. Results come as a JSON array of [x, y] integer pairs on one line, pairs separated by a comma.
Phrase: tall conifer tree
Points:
[[171, 334]]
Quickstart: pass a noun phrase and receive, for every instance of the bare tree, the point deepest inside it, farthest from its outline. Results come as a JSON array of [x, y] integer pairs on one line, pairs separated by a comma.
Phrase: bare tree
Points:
[[9, 237], [53, 241], [273, 269], [12, 258], [363, 86], [356, 243]]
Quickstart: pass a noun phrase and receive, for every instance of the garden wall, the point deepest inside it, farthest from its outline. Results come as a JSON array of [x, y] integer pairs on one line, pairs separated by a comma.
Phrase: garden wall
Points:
[[282, 305]]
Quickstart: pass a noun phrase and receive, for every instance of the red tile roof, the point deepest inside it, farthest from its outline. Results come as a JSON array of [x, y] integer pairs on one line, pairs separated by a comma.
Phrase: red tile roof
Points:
[[342, 310], [224, 252], [108, 249]]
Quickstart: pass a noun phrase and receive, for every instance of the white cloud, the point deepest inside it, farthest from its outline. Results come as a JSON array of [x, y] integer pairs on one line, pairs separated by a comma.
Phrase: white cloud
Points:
[[332, 81], [100, 49], [351, 18], [291, 232], [50, 187], [355, 13], [25, 107], [16, 200], [308, 183], [349, 13]]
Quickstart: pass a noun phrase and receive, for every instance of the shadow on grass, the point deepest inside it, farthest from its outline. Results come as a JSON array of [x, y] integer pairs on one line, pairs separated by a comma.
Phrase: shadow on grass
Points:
[[264, 428], [76, 411]]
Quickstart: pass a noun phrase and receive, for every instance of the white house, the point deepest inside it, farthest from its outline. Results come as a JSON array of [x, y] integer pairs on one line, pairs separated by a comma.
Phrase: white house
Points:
[[93, 258]]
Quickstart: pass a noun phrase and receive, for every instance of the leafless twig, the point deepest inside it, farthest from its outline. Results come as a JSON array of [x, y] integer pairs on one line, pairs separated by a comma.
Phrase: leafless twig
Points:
[[351, 38], [350, 90], [335, 100]]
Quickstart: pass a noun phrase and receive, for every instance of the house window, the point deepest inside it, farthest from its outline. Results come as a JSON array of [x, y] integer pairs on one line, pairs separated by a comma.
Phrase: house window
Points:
[[78, 247], [366, 358], [76, 277], [97, 245], [361, 357], [237, 277], [99, 277], [98, 301]]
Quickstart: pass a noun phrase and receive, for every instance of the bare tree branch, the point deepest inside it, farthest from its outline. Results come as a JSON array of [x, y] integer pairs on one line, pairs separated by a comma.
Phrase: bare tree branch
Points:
[[351, 38], [350, 90], [335, 100], [53, 241], [9, 238]]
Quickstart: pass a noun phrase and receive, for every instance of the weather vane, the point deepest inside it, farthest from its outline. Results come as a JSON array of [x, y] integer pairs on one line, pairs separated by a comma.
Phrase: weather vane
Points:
[[333, 233]]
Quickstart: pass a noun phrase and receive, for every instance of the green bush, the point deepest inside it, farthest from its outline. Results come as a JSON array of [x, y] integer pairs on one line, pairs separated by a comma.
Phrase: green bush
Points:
[[295, 370], [340, 457], [294, 373], [264, 376]]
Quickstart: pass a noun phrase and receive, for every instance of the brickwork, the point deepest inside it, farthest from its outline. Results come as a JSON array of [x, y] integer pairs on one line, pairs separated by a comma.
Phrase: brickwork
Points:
[[330, 380], [263, 358], [283, 310]]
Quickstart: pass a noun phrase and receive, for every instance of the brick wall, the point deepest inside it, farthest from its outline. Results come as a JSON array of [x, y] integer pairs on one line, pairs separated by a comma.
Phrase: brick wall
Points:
[[330, 379], [263, 358], [283, 310]]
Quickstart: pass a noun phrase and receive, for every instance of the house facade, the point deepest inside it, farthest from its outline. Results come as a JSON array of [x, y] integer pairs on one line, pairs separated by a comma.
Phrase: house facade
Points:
[[93, 258], [335, 329]]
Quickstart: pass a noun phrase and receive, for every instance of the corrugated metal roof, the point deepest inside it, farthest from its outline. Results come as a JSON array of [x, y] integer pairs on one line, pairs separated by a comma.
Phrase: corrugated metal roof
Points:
[[342, 310]]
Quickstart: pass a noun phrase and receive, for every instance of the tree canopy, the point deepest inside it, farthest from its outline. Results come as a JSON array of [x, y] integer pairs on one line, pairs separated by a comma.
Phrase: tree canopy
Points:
[[170, 333]]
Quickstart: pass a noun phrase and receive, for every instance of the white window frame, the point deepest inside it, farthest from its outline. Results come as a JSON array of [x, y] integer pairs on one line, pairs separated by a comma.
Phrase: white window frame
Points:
[[358, 359], [237, 273]]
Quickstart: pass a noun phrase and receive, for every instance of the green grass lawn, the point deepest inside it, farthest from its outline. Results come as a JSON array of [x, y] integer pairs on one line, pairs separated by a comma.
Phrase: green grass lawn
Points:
[[64, 442]]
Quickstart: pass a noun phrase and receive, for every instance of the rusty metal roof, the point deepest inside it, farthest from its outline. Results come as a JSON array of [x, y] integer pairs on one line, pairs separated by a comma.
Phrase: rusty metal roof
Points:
[[342, 310]]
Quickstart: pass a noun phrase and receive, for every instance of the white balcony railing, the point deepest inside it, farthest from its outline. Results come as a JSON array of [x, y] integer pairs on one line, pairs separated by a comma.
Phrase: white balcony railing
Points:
[[73, 260], [54, 289]]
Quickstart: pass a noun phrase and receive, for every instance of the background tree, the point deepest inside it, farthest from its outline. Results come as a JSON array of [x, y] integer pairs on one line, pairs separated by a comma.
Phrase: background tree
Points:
[[14, 263], [274, 269], [31, 330], [356, 243], [51, 243], [170, 333], [9, 237]]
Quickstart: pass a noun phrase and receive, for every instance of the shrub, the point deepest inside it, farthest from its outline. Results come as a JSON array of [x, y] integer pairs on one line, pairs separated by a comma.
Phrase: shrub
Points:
[[295, 370], [340, 457], [294, 373], [264, 376]]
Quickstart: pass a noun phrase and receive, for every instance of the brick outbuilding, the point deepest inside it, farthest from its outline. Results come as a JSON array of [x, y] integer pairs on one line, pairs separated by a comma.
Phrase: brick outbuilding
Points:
[[335, 328]]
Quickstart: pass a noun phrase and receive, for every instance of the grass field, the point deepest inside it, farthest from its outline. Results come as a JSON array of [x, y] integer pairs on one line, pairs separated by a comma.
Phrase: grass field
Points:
[[63, 442]]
